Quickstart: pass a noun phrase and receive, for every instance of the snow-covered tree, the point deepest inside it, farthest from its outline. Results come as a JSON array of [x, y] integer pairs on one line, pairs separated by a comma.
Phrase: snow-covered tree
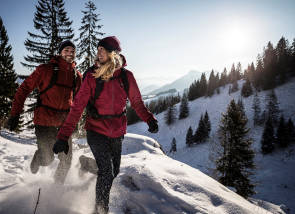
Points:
[[246, 89], [7, 75], [53, 26], [236, 164], [173, 146], [257, 110], [189, 140], [170, 115], [290, 131], [268, 137], [184, 109], [272, 107], [207, 124], [282, 134], [89, 37]]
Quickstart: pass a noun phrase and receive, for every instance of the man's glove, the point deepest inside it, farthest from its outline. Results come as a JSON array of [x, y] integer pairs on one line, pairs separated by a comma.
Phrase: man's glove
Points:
[[153, 126], [12, 122], [61, 146]]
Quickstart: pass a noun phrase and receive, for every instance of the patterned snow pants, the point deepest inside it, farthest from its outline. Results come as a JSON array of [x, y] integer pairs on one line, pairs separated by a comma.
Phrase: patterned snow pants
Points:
[[107, 154], [46, 137]]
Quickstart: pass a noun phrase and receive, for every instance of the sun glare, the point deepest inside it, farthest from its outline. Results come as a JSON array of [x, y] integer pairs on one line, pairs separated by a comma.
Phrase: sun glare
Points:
[[234, 39]]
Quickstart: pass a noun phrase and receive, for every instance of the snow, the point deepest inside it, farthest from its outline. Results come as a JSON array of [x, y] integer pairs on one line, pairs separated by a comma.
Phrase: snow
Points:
[[274, 176], [149, 180]]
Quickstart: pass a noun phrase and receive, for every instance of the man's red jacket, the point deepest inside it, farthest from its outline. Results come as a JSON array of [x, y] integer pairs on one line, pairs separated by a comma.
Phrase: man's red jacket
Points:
[[57, 97], [112, 101]]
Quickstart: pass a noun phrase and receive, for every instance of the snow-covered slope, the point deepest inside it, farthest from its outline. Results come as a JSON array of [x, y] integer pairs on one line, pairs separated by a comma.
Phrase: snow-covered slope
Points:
[[275, 175], [181, 83], [149, 182]]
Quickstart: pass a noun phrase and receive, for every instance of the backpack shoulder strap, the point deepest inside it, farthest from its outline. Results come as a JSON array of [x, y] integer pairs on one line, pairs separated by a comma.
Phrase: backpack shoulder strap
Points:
[[75, 79], [98, 88], [53, 78], [124, 78]]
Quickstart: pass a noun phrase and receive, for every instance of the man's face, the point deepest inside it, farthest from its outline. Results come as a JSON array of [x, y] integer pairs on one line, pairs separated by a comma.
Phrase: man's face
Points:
[[102, 55], [68, 54]]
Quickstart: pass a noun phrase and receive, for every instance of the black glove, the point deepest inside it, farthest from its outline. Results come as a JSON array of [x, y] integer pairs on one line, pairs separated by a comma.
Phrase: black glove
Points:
[[12, 122], [61, 146], [153, 126]]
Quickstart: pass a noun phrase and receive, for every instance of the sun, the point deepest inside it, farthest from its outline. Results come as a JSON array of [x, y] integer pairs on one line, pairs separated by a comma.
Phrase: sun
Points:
[[234, 39]]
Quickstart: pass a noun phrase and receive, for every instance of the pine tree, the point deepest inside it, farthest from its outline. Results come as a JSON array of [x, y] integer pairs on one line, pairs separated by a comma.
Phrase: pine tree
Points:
[[235, 87], [258, 73], [211, 84], [189, 140], [236, 164], [207, 124], [282, 134], [257, 110], [183, 110], [223, 78], [283, 59], [268, 138], [173, 145], [53, 25], [270, 67], [290, 131], [246, 89], [241, 107], [170, 115], [203, 85], [201, 132], [89, 37], [7, 75], [272, 107]]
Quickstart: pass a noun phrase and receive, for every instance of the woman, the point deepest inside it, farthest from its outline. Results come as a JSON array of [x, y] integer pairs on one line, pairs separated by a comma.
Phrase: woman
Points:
[[106, 121]]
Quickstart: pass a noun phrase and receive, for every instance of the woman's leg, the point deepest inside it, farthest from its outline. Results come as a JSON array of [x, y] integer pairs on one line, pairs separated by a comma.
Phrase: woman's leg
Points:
[[100, 147]]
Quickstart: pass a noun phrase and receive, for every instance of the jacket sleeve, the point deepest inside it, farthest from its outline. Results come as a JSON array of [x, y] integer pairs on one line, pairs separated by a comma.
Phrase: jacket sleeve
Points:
[[24, 90], [136, 101], [76, 111]]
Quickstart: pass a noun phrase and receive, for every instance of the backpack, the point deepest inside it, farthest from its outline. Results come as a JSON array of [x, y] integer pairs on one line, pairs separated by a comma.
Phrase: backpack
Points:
[[52, 83], [90, 108]]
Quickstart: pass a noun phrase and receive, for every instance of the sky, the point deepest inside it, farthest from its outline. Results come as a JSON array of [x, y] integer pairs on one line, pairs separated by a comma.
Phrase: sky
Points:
[[164, 40]]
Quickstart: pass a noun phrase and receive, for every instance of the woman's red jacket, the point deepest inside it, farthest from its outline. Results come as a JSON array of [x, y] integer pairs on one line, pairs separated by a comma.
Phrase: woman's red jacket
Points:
[[112, 101]]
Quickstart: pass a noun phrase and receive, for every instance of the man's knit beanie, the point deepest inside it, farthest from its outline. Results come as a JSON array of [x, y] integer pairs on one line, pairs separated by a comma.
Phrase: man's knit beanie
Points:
[[64, 44]]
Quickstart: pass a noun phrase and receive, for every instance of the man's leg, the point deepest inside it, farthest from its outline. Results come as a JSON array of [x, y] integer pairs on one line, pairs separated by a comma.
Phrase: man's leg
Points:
[[64, 165], [99, 145], [45, 139]]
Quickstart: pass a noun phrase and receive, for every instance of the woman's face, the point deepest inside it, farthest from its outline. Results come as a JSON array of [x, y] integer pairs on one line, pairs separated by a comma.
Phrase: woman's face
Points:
[[102, 55]]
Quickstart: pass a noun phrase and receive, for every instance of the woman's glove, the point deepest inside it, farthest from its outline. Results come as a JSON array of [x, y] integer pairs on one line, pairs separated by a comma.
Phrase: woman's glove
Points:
[[61, 146], [153, 126]]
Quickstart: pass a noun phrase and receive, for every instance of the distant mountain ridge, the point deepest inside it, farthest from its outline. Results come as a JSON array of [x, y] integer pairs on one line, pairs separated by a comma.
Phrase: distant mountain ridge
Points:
[[179, 84]]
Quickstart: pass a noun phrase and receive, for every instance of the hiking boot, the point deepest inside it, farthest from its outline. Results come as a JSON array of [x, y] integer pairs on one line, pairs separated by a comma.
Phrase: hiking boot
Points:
[[35, 164]]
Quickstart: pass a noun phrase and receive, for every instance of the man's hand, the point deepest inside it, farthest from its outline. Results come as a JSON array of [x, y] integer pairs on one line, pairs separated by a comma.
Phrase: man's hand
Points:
[[12, 122]]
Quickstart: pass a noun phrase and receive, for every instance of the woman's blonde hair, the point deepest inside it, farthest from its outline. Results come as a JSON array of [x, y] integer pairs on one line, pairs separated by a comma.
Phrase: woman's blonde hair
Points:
[[107, 70]]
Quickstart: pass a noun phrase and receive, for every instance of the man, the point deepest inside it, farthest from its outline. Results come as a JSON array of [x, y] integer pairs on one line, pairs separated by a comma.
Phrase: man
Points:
[[57, 82]]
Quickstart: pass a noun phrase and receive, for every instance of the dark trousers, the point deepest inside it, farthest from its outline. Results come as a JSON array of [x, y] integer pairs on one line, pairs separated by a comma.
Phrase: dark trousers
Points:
[[107, 154], [46, 137]]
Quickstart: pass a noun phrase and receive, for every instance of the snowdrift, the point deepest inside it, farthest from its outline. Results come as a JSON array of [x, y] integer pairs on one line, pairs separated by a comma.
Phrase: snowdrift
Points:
[[149, 182]]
